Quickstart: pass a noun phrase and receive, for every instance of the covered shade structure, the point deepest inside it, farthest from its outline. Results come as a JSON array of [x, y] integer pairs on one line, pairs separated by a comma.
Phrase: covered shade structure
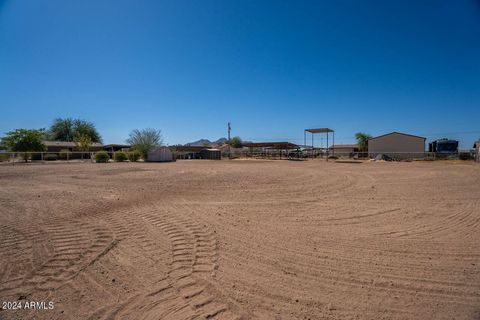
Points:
[[275, 145], [268, 147], [319, 130]]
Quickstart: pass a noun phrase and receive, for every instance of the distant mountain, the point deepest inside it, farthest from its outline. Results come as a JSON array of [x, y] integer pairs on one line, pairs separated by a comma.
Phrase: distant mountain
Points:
[[199, 143], [220, 141], [206, 142]]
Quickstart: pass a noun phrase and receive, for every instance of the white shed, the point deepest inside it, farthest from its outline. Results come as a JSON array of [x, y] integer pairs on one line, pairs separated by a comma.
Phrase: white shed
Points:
[[397, 145], [160, 154]]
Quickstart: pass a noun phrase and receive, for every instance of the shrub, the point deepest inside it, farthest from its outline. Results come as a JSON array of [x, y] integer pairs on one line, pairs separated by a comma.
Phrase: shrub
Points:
[[102, 157], [120, 156], [65, 154], [145, 140], [133, 156], [50, 157], [235, 142], [4, 157], [25, 141]]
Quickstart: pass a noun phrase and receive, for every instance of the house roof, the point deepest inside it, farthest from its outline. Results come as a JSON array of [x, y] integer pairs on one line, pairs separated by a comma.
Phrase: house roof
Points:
[[396, 132], [68, 144], [116, 145]]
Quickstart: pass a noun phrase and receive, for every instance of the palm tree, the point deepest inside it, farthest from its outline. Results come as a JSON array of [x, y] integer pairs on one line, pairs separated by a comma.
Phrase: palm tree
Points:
[[362, 141]]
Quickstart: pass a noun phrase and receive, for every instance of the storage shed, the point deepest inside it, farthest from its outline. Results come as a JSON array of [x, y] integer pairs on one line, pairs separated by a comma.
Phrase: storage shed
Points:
[[211, 154], [160, 154], [397, 145]]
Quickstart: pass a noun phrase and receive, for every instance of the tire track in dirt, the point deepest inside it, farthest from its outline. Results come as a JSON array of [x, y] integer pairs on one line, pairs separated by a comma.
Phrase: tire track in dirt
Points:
[[193, 264], [16, 246], [184, 291], [462, 223], [76, 244]]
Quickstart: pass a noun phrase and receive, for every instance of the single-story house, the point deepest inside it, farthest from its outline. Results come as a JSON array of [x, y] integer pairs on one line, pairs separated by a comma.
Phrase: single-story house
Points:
[[57, 146], [343, 150], [397, 145], [111, 148]]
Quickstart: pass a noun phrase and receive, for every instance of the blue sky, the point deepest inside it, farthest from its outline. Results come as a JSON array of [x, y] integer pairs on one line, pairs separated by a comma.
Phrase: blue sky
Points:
[[272, 68]]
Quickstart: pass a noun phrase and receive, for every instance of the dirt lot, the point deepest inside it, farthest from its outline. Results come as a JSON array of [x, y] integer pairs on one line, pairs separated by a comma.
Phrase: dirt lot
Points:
[[241, 240]]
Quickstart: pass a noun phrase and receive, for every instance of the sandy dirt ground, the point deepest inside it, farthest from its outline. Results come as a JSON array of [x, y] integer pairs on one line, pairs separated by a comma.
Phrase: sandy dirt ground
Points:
[[240, 240]]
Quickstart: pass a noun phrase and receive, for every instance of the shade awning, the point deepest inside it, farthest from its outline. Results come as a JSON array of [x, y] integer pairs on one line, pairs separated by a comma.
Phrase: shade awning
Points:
[[319, 130], [272, 145]]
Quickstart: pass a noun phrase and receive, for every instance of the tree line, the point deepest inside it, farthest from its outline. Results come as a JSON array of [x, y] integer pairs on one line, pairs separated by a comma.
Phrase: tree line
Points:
[[83, 133]]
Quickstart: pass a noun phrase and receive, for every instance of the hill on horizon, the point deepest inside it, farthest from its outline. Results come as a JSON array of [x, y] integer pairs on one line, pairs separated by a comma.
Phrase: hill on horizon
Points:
[[206, 142]]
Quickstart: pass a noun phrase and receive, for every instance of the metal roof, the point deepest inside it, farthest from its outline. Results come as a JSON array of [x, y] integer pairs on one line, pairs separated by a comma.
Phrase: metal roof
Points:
[[67, 144], [319, 130], [275, 145], [400, 133]]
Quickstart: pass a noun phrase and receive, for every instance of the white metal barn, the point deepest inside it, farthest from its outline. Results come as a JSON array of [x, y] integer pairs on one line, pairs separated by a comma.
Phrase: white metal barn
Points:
[[397, 145], [160, 154]]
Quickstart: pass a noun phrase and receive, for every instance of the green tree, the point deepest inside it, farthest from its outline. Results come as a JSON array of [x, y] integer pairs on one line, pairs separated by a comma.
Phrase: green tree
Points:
[[145, 140], [83, 142], [235, 142], [67, 129], [362, 141], [25, 140]]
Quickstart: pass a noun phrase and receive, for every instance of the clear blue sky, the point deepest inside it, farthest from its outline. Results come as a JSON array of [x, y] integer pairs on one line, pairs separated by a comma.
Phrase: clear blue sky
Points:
[[272, 68]]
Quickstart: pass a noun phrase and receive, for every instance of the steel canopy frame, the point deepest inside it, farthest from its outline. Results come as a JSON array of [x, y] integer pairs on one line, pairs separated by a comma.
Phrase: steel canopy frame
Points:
[[319, 130]]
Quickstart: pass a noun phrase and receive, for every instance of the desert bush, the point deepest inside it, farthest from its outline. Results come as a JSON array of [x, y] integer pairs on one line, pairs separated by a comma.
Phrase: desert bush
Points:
[[4, 157], [102, 157], [133, 155], [64, 154], [50, 157], [120, 156], [145, 140]]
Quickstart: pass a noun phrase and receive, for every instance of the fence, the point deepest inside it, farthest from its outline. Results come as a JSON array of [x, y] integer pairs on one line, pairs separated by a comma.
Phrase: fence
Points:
[[78, 156], [41, 157], [320, 154]]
